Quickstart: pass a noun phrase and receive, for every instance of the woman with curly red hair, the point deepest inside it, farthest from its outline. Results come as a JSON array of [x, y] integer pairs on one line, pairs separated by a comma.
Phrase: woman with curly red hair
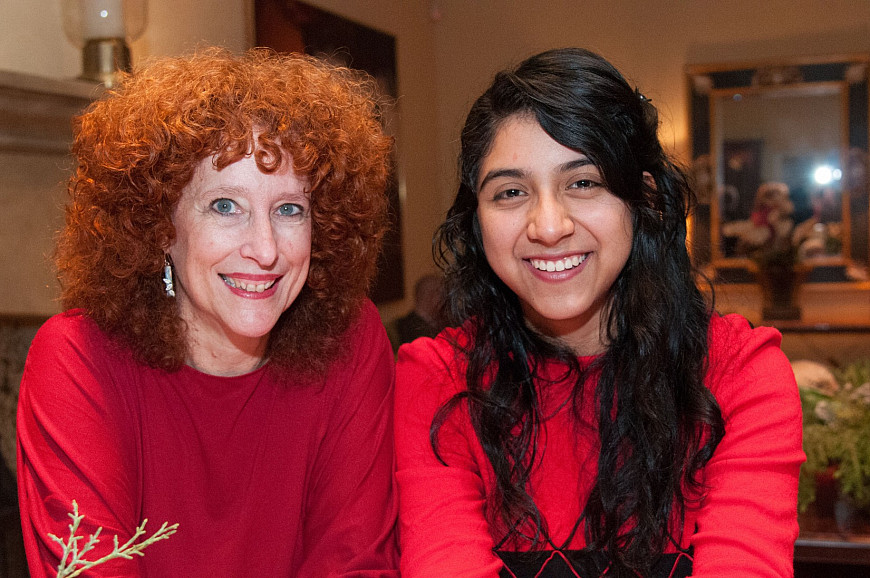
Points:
[[218, 364]]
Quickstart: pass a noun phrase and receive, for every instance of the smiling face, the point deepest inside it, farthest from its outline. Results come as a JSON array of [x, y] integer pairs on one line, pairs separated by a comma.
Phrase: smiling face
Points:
[[240, 258], [552, 232]]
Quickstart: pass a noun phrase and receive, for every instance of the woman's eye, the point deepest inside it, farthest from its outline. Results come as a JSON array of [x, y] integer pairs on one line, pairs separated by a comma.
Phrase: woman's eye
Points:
[[224, 206], [508, 194], [291, 210], [584, 184]]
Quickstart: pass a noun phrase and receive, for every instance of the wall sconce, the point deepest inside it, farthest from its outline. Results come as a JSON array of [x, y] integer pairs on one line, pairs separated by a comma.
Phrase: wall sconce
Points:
[[101, 28]]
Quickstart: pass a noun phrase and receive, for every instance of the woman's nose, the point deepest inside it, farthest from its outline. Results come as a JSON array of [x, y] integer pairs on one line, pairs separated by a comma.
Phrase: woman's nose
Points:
[[550, 221], [260, 243]]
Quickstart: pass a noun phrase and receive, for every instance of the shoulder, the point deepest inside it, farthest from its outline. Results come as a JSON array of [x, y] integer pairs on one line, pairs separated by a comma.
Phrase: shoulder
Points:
[[441, 354], [73, 366], [365, 350], [734, 342], [74, 321], [72, 331], [733, 332], [367, 326], [365, 335], [746, 363], [433, 368], [356, 389]]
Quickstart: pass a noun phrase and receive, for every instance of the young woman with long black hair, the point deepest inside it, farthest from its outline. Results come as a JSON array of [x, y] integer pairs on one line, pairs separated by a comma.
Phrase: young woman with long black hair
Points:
[[591, 414]]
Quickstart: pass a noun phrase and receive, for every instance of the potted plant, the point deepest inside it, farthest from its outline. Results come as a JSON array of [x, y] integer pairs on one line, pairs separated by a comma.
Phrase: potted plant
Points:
[[767, 238], [836, 434]]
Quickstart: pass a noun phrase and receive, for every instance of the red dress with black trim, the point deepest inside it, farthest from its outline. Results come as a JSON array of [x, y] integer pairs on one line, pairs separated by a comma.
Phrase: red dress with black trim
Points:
[[746, 523]]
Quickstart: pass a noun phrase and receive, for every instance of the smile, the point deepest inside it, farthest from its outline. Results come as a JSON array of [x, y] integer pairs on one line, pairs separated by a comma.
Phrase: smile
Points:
[[249, 287], [559, 265]]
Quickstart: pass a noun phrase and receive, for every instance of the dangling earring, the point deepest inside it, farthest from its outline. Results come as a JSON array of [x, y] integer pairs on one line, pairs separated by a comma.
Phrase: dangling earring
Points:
[[167, 277]]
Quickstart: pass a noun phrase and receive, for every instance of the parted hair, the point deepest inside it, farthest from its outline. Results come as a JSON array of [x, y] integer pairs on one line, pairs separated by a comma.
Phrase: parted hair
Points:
[[137, 147], [658, 423]]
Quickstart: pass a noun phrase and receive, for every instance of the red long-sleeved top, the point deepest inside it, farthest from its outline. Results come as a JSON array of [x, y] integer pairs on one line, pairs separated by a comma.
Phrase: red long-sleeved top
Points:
[[264, 478], [746, 524]]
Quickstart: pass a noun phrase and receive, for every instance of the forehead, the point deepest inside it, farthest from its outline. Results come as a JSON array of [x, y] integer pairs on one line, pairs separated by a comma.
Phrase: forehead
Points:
[[520, 134], [520, 144], [244, 175]]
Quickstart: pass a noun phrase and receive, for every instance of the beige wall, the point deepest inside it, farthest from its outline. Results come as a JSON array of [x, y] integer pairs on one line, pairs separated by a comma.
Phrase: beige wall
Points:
[[449, 49]]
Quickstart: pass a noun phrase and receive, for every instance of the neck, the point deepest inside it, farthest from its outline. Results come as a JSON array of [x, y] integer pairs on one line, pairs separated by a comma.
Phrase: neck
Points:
[[227, 359], [223, 368], [584, 335]]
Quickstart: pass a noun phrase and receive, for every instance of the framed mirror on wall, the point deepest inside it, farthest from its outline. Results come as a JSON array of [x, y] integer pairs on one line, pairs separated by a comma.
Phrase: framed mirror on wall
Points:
[[779, 163]]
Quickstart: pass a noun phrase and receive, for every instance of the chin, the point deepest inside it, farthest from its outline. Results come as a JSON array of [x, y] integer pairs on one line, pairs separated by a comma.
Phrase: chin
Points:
[[255, 330]]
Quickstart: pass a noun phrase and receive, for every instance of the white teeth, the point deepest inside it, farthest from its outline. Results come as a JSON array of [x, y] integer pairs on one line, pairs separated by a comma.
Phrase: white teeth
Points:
[[249, 287], [560, 265]]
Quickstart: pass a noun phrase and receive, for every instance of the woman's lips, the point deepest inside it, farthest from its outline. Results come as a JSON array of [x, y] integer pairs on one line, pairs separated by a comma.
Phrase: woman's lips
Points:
[[251, 284], [561, 264]]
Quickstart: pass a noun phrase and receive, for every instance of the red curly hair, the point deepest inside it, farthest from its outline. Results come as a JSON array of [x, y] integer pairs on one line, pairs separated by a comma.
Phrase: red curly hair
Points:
[[137, 148]]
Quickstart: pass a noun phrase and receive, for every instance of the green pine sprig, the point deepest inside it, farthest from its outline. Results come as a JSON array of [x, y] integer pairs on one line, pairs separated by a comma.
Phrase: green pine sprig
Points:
[[72, 562]]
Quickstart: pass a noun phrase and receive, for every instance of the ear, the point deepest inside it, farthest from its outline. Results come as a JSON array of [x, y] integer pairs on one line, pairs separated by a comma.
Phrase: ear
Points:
[[649, 190], [650, 195]]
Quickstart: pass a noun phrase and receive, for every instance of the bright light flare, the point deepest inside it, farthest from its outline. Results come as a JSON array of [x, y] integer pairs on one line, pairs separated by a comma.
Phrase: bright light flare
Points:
[[826, 174]]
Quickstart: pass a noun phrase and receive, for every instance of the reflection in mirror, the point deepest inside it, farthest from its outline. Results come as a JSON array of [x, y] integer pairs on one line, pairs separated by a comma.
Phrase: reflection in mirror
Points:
[[779, 165], [780, 169]]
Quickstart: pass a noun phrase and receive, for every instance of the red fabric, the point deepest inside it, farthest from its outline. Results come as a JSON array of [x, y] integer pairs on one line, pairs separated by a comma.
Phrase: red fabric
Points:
[[746, 525], [264, 478]]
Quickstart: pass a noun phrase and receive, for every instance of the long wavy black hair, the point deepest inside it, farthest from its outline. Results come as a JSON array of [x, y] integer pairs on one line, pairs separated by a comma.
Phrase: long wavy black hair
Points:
[[658, 423]]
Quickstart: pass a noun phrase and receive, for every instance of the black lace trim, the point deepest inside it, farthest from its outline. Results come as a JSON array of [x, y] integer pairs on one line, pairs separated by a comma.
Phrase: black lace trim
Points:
[[580, 564]]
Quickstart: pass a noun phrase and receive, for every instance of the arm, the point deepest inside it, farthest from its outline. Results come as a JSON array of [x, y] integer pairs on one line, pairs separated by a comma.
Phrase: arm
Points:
[[747, 524], [442, 526], [350, 516], [70, 447]]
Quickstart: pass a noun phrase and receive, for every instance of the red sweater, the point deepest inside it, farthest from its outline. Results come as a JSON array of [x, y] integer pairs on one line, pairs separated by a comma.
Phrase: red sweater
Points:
[[746, 524], [264, 478]]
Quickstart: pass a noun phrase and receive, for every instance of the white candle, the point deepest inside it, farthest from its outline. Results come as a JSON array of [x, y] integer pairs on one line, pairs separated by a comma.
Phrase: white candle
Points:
[[102, 19]]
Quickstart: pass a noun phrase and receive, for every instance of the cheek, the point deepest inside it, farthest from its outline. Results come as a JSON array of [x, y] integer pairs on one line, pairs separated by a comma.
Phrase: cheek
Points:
[[486, 234], [500, 245], [207, 249], [296, 243], [624, 232], [498, 231], [302, 240], [179, 251], [493, 242], [195, 240]]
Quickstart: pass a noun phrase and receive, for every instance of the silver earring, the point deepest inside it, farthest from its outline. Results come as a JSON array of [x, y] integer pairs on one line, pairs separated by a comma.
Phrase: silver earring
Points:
[[167, 277]]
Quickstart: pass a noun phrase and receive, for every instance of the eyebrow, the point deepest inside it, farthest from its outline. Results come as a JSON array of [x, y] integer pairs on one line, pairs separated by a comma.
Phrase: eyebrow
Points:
[[230, 190], [498, 173], [575, 164], [583, 161]]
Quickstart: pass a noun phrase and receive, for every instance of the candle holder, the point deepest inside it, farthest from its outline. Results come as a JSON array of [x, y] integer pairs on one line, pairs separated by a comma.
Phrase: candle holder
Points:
[[102, 28]]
